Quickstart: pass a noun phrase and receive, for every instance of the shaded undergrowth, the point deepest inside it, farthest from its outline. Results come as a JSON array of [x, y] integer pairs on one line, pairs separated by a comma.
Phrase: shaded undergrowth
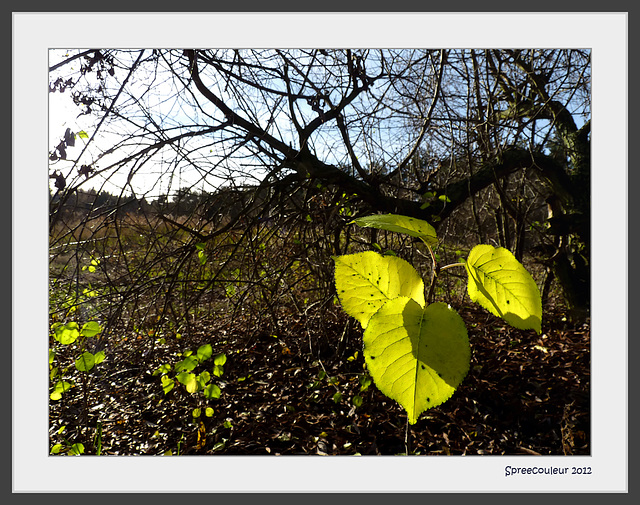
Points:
[[305, 391]]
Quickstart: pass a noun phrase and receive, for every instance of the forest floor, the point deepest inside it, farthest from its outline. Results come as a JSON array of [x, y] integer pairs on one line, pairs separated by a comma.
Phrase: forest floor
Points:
[[524, 394]]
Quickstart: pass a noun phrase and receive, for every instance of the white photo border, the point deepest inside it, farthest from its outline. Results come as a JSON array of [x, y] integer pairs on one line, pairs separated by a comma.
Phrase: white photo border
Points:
[[35, 471]]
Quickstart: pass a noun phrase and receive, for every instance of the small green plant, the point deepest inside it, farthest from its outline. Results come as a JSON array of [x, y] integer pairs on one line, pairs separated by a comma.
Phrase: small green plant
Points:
[[91, 267], [67, 447], [69, 334], [185, 369], [417, 351]]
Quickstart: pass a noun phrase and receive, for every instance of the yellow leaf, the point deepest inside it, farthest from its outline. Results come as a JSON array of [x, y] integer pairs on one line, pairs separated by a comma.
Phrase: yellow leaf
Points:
[[202, 436]]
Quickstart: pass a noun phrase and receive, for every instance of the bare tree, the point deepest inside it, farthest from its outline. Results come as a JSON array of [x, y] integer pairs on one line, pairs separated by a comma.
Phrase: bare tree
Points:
[[202, 145]]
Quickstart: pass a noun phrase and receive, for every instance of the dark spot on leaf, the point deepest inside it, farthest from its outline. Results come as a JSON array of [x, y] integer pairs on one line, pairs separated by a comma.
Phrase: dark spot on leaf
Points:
[[423, 367]]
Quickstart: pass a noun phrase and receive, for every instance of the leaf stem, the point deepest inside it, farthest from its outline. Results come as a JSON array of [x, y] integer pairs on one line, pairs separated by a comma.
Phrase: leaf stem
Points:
[[407, 439], [451, 266], [434, 273]]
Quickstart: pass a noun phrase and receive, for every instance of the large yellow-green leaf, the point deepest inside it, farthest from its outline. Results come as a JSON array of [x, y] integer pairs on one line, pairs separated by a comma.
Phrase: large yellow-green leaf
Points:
[[500, 284], [401, 224], [365, 281], [416, 356]]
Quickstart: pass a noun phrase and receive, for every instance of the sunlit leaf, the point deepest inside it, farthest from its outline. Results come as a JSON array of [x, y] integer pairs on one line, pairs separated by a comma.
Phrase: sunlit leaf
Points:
[[189, 381], [67, 333], [90, 329], [203, 379], [220, 359], [416, 356], [99, 357], [212, 392], [85, 362], [167, 384], [60, 388], [204, 352], [162, 369], [499, 283], [187, 364], [76, 449], [402, 224], [365, 281]]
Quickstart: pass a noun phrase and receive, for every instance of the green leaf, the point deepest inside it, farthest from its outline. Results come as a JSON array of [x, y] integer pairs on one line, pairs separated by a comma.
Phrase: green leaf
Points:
[[167, 384], [67, 333], [85, 362], [60, 388], [220, 359], [82, 134], [401, 224], [212, 392], [203, 379], [365, 281], [202, 257], [187, 364], [99, 357], [416, 356], [499, 283], [208, 412], [204, 352], [76, 449], [189, 381], [90, 329], [365, 382], [162, 369]]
